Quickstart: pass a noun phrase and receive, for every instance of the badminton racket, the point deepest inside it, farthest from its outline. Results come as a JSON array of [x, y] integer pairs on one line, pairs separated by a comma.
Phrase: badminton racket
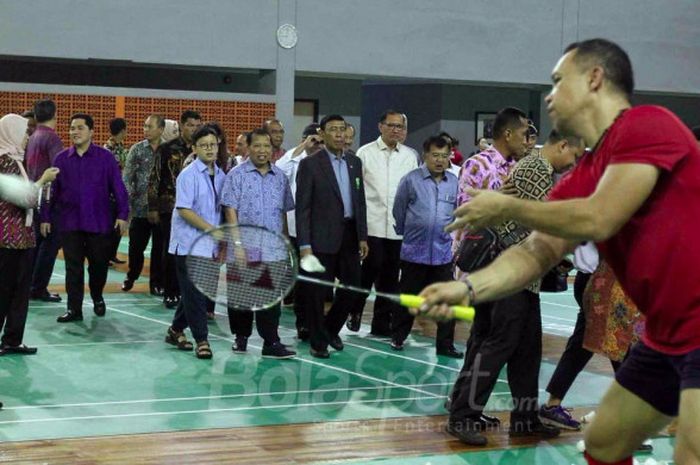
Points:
[[252, 268]]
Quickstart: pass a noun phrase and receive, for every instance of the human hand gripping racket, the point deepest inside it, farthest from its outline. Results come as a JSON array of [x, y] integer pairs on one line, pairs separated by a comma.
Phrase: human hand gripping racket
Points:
[[253, 268]]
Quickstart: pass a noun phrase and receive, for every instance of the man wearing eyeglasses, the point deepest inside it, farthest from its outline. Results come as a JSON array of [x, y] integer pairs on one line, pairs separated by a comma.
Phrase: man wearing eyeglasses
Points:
[[384, 162], [425, 200], [276, 130]]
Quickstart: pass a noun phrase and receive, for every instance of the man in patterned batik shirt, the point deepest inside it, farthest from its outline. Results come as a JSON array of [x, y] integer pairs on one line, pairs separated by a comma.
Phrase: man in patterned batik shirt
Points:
[[516, 337], [257, 193], [167, 164], [137, 170], [486, 170], [115, 144]]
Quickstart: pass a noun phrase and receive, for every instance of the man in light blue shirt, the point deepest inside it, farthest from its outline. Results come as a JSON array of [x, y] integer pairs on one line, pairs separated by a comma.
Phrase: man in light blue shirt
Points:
[[425, 200], [257, 193], [196, 211]]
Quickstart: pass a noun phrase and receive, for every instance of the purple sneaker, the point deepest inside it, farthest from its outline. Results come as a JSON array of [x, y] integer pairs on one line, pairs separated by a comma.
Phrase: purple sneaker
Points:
[[558, 416]]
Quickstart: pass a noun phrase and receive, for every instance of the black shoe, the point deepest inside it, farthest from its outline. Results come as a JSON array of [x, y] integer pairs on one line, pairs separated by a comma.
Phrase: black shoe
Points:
[[69, 316], [117, 261], [450, 352], [240, 346], [278, 351], [396, 345], [336, 343], [323, 353], [302, 334], [353, 323], [488, 422], [532, 428], [100, 308], [157, 291], [127, 285], [46, 297], [380, 333], [170, 302], [466, 431], [20, 349]]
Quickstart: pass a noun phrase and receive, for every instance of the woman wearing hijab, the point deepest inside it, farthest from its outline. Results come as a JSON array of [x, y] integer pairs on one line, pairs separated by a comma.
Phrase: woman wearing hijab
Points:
[[16, 233]]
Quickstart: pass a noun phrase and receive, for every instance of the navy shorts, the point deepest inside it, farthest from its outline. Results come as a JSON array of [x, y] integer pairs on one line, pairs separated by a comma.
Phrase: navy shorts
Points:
[[657, 378]]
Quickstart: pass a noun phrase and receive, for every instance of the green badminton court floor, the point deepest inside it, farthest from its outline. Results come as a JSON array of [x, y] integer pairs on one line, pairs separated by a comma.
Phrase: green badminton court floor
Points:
[[115, 375]]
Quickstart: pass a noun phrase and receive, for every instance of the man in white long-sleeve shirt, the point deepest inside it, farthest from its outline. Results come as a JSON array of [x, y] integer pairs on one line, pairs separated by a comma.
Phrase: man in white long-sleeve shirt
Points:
[[384, 162], [311, 142]]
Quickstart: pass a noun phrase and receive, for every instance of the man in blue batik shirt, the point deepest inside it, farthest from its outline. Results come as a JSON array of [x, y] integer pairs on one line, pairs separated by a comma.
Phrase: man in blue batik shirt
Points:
[[425, 200], [257, 193]]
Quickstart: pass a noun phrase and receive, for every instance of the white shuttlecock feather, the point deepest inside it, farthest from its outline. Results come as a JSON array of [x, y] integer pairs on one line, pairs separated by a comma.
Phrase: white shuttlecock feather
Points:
[[18, 191], [311, 264]]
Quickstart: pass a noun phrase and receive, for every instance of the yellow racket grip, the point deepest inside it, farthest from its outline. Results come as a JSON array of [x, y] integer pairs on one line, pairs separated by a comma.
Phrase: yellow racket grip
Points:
[[414, 301]]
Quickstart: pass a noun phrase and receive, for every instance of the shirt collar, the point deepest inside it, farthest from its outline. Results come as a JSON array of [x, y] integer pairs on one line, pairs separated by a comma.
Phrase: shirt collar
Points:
[[73, 152], [202, 167], [496, 156], [382, 145], [333, 156], [425, 173], [249, 167]]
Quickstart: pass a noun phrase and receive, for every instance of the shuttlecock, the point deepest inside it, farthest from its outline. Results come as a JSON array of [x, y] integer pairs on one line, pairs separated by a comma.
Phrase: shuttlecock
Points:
[[311, 264], [587, 418], [18, 191], [581, 446]]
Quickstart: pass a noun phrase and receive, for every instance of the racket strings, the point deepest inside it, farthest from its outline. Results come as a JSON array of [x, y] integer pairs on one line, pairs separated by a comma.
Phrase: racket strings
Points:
[[251, 268]]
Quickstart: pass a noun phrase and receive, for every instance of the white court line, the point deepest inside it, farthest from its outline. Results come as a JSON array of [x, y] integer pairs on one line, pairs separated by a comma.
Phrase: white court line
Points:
[[233, 409], [312, 362], [558, 318], [371, 349], [225, 396], [560, 305], [72, 344]]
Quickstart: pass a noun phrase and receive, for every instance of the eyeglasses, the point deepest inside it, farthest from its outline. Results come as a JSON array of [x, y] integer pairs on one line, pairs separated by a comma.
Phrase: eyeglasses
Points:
[[400, 127], [210, 145], [440, 156]]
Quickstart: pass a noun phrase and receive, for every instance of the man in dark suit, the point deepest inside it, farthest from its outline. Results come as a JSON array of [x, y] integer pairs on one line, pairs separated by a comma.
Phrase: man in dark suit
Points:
[[332, 225]]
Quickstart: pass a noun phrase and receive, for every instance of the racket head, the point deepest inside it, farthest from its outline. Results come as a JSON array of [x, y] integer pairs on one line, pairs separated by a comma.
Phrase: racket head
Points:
[[243, 267]]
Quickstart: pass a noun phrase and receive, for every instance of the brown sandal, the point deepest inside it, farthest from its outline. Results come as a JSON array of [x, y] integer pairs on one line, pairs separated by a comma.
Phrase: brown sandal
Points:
[[178, 339], [203, 350]]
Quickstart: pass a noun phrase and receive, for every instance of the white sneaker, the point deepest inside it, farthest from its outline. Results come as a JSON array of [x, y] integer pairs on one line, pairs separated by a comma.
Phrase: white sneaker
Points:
[[587, 418]]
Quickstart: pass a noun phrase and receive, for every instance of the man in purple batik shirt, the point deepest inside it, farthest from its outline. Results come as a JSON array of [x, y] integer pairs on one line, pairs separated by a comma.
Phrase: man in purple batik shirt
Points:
[[89, 174], [490, 168], [42, 148]]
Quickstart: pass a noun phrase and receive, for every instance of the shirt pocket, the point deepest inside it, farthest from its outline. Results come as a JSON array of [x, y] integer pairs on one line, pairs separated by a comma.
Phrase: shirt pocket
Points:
[[445, 207]]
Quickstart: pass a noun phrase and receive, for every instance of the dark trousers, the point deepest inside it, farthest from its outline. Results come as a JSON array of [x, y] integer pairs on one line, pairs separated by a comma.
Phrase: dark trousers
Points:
[[266, 321], [116, 239], [414, 277], [116, 234], [381, 269], [16, 272], [192, 309], [140, 231], [510, 333], [293, 295], [344, 265], [44, 256], [575, 357], [77, 246], [169, 273]]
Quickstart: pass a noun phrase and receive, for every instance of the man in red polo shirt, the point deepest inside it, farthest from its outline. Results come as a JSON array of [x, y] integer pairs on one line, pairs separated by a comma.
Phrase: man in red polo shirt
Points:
[[637, 195]]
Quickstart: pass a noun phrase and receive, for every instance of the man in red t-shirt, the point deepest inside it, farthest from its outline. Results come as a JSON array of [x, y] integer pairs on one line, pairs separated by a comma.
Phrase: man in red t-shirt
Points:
[[637, 195]]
